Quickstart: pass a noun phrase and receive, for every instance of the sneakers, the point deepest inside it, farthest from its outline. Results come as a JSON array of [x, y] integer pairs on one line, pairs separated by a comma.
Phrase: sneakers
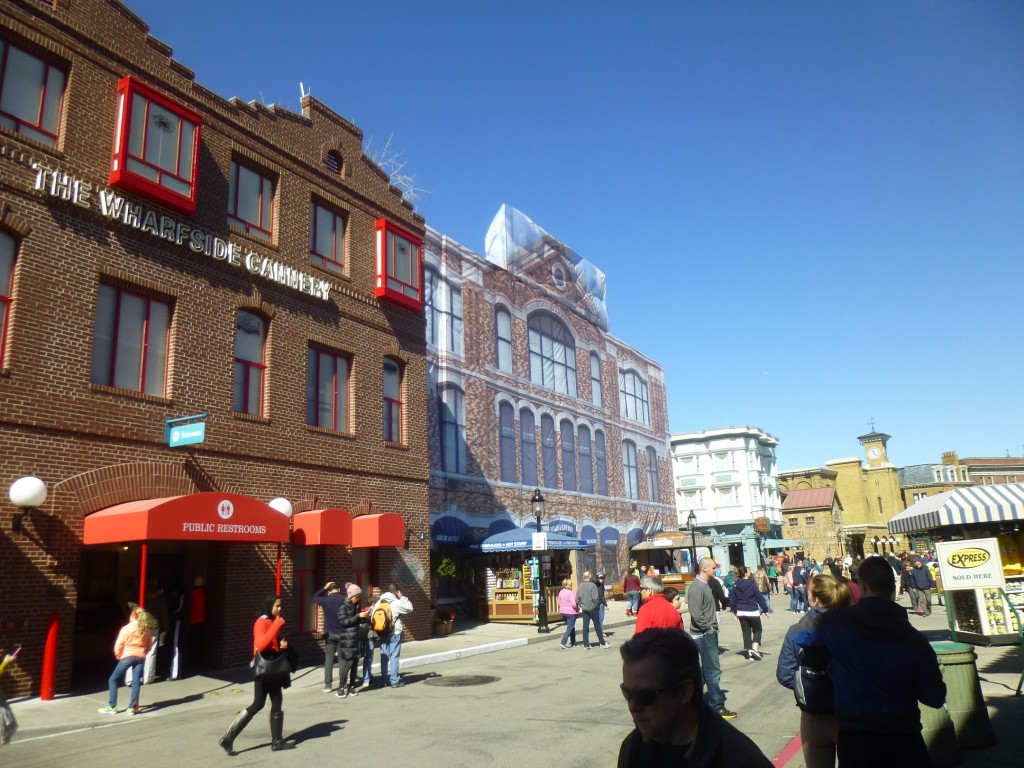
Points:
[[366, 684], [563, 647], [353, 691], [131, 712], [756, 654], [342, 693], [107, 710], [605, 645], [328, 690], [727, 714]]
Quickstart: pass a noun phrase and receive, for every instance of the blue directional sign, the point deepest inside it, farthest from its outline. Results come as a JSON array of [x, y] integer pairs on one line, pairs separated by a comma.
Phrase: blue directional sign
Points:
[[186, 430]]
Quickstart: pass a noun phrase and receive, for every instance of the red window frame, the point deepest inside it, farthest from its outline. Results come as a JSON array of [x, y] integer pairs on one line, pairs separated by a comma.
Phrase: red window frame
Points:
[[110, 376], [44, 115], [313, 417], [247, 366], [264, 227], [393, 409], [5, 298], [124, 178], [335, 261], [388, 285]]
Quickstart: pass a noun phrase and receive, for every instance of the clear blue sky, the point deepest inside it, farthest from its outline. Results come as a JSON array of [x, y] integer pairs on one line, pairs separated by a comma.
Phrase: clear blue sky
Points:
[[811, 213]]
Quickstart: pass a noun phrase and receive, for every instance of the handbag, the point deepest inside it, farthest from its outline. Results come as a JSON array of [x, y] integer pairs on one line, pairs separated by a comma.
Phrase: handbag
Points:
[[271, 668]]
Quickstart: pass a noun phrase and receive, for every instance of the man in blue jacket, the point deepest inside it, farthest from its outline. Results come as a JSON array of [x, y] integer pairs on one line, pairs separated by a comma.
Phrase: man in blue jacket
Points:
[[921, 584], [881, 667]]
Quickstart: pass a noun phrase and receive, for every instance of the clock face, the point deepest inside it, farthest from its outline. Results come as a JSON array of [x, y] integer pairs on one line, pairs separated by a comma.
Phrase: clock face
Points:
[[874, 453]]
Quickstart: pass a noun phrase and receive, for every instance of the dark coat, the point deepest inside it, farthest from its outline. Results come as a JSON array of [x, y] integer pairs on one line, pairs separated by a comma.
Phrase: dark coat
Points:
[[350, 646], [719, 745]]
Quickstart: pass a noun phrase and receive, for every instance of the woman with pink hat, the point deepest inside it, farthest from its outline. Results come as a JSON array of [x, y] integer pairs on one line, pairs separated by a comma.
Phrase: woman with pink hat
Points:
[[349, 647]]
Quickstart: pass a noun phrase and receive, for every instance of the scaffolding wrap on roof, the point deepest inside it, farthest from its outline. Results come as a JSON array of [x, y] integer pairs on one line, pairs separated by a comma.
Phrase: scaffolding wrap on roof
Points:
[[514, 242]]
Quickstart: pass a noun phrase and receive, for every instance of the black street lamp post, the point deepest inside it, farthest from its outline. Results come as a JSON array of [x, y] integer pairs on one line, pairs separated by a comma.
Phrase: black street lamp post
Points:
[[537, 503], [691, 521]]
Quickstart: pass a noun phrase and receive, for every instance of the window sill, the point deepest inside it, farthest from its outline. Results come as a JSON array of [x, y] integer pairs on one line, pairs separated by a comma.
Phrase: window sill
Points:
[[135, 395], [32, 143], [234, 229], [250, 417], [396, 446], [343, 275], [331, 432]]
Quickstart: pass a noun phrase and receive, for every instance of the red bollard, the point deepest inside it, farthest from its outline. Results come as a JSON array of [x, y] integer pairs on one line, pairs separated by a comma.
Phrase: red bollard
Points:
[[50, 656]]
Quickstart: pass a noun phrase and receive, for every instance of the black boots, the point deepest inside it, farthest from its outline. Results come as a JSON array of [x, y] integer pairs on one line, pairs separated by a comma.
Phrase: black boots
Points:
[[276, 727], [227, 741]]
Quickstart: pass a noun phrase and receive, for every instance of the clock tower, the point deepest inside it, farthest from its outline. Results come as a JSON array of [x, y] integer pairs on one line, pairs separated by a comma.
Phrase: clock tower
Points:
[[874, 448]]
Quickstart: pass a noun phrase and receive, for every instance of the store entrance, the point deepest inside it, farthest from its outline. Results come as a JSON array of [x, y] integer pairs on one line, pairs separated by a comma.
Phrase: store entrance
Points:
[[108, 580]]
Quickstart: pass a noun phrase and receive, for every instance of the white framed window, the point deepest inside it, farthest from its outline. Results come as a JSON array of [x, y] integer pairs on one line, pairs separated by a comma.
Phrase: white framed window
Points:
[[596, 395], [503, 339], [452, 404], [653, 489], [633, 399], [810, 520], [552, 354], [630, 470], [442, 306]]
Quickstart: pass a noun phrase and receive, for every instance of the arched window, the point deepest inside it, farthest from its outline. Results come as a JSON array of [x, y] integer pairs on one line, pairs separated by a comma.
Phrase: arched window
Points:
[[633, 401], [653, 489], [250, 355], [333, 162], [586, 462], [552, 354], [392, 396], [596, 396], [568, 440], [327, 389], [631, 478], [601, 462], [7, 254], [503, 338], [507, 442], [452, 405], [549, 451], [528, 446]]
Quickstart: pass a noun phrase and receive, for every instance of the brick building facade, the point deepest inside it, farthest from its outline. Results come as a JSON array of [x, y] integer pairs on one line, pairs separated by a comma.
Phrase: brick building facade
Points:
[[531, 390], [226, 258]]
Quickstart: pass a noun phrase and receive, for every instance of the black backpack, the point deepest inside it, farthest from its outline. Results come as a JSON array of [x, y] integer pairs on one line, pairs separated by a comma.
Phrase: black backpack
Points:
[[812, 686]]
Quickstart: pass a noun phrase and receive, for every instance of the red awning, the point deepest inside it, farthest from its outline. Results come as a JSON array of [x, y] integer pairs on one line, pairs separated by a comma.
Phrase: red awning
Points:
[[385, 530], [323, 526], [196, 517]]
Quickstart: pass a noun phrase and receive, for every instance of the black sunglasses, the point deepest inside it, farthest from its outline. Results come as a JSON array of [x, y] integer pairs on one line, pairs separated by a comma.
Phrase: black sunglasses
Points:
[[643, 698]]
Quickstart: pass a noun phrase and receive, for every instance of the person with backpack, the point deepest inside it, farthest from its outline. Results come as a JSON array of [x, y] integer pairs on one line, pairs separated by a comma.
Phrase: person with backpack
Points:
[[387, 615], [806, 671]]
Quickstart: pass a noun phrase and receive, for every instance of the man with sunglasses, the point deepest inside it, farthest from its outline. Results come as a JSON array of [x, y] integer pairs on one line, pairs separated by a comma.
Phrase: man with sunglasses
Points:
[[662, 684]]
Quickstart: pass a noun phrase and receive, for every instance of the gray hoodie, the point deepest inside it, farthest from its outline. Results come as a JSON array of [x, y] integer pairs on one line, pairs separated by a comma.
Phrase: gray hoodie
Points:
[[587, 596]]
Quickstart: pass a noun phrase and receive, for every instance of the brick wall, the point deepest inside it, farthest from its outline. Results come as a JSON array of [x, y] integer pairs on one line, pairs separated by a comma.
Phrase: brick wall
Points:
[[96, 446]]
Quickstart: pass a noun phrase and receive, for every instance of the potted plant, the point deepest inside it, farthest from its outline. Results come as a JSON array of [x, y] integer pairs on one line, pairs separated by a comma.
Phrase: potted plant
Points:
[[448, 614]]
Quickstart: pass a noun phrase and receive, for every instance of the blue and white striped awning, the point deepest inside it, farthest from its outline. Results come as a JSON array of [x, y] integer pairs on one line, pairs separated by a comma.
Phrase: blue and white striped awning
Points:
[[962, 506]]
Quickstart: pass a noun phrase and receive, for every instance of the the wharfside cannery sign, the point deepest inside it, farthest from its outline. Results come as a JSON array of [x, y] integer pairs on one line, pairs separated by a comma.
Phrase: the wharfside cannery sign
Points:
[[111, 205]]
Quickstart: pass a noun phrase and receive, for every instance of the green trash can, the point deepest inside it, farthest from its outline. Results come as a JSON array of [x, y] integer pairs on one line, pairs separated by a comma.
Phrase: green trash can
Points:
[[940, 738], [966, 705]]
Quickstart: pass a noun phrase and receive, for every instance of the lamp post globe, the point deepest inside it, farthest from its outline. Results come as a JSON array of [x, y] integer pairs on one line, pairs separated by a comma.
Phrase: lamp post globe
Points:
[[537, 506]]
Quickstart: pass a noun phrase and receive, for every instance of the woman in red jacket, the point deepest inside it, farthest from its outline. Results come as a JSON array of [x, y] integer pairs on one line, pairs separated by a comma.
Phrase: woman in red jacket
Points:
[[267, 640]]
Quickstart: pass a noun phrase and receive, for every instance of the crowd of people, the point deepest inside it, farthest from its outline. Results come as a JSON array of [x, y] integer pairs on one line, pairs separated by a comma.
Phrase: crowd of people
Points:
[[856, 666]]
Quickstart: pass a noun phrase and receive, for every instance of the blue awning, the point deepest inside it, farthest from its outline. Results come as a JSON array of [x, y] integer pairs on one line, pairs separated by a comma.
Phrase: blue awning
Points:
[[963, 506], [521, 540]]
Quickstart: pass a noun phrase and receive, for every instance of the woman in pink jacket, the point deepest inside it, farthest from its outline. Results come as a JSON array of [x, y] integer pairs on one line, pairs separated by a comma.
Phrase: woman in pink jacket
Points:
[[133, 643], [569, 610]]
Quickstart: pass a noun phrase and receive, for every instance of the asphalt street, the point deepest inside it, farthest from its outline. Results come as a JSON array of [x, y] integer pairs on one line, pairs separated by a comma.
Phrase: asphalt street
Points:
[[488, 695]]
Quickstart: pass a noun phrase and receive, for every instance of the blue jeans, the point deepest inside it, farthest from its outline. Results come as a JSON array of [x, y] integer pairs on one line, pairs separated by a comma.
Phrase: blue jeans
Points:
[[570, 628], [711, 667], [794, 601], [390, 657], [368, 662], [126, 663], [633, 601], [592, 616], [800, 593]]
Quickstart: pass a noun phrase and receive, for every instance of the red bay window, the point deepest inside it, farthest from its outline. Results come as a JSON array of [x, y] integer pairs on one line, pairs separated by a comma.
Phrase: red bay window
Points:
[[399, 266], [156, 147]]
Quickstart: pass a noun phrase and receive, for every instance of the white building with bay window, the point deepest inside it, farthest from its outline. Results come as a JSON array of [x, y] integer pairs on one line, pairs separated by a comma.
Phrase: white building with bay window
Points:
[[728, 479]]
